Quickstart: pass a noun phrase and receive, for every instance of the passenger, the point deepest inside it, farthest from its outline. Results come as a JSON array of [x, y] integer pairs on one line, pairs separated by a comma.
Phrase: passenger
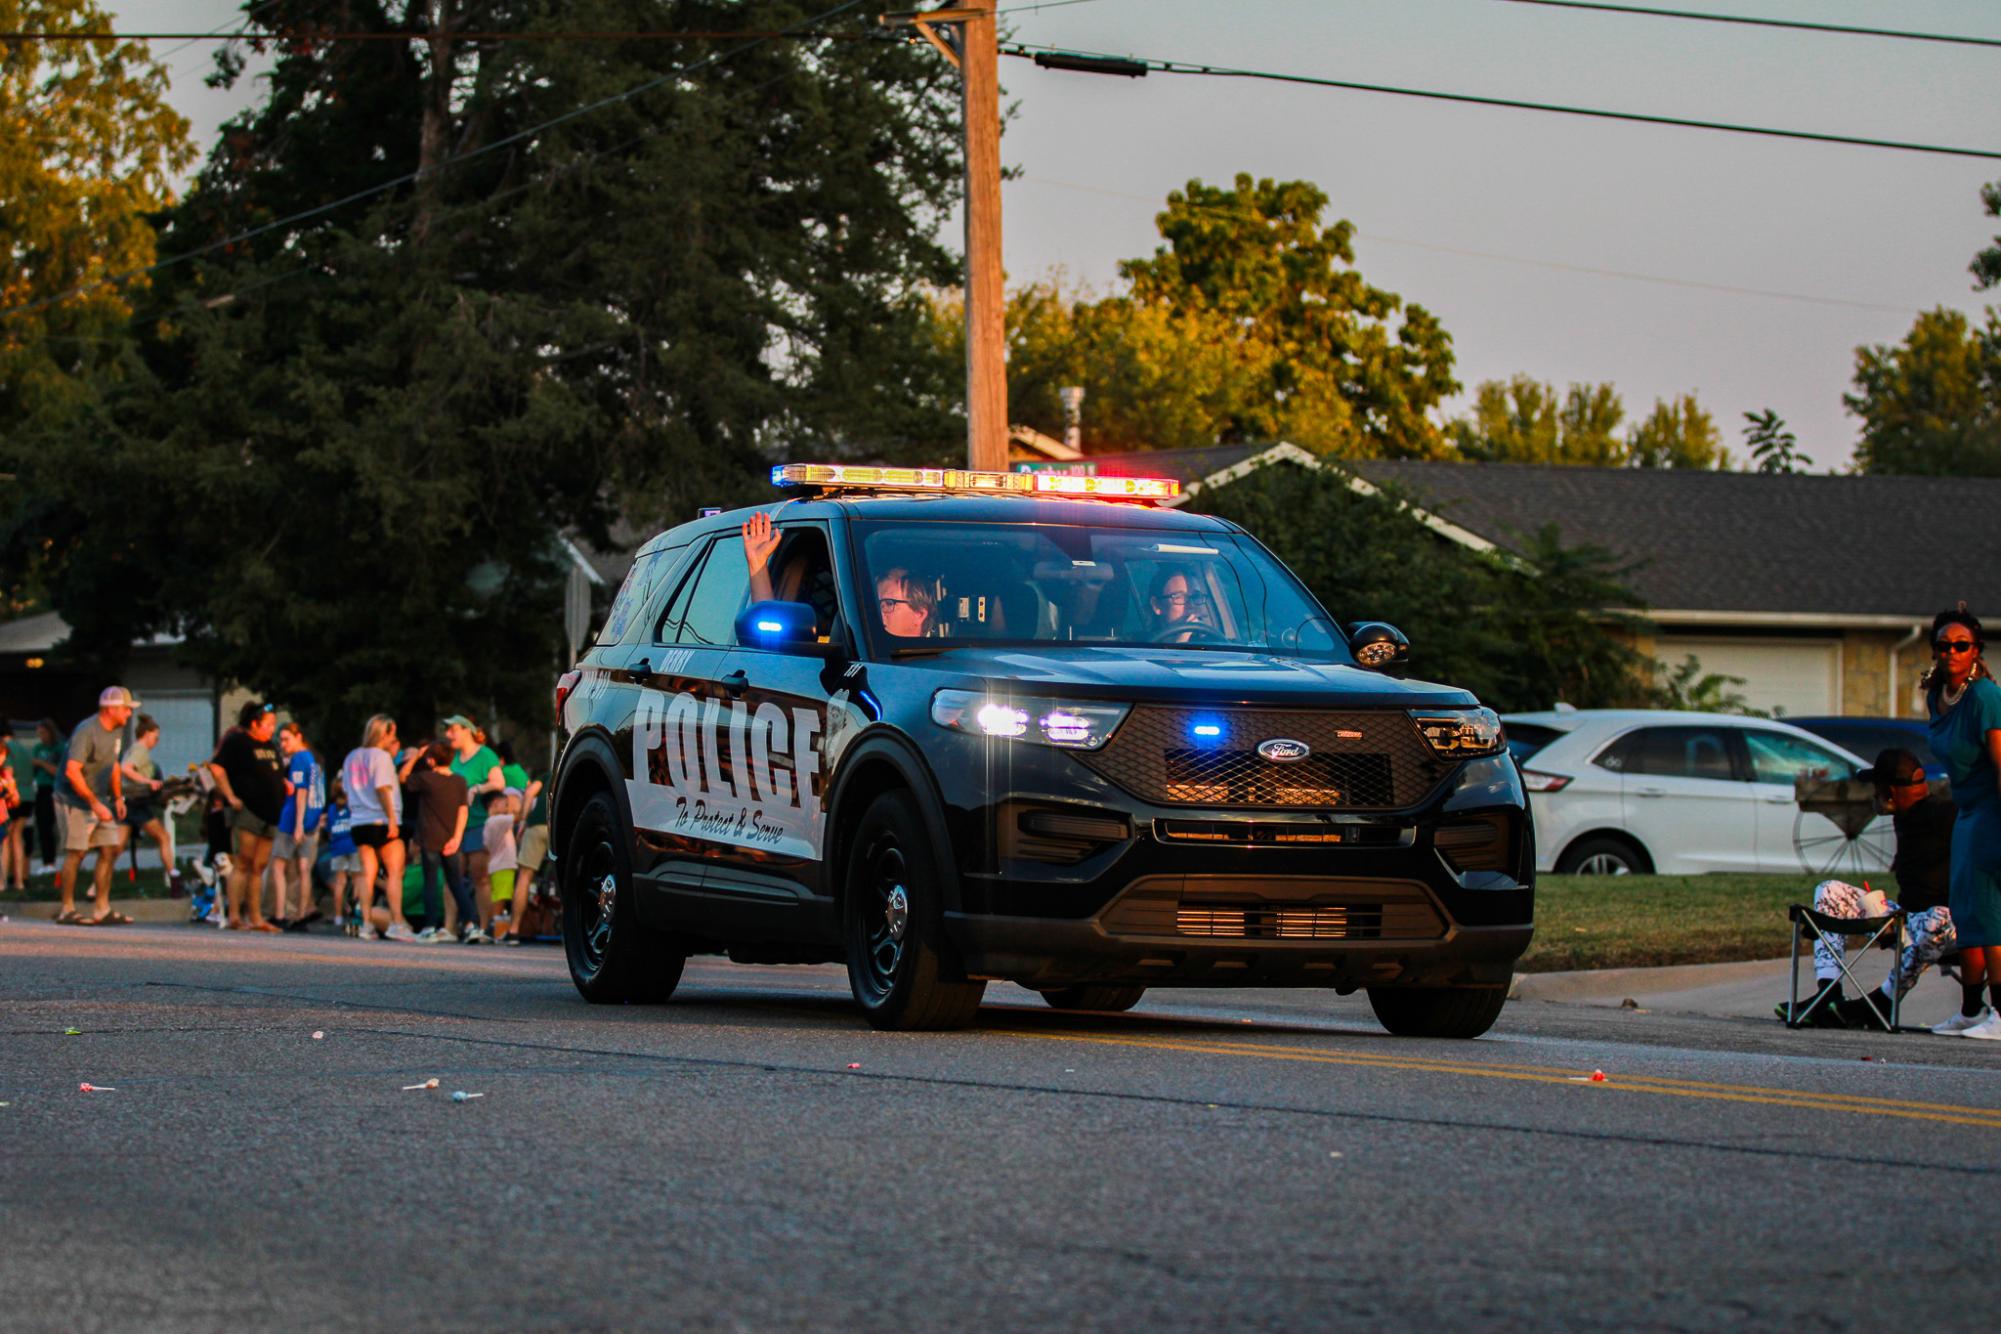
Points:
[[814, 585], [1179, 605], [1922, 868]]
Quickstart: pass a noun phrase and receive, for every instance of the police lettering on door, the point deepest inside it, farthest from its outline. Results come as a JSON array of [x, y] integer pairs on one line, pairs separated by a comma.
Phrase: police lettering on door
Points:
[[728, 772]]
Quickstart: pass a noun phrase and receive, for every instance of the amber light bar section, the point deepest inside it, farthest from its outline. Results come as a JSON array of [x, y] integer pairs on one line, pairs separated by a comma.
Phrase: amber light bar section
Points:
[[967, 481]]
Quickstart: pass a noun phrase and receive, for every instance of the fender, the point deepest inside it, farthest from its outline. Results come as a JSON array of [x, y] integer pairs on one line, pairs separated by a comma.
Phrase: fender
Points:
[[883, 745], [591, 747]]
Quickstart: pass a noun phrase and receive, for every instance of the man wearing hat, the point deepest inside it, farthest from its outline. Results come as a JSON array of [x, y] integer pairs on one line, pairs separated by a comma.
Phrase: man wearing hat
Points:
[[91, 803], [1923, 821]]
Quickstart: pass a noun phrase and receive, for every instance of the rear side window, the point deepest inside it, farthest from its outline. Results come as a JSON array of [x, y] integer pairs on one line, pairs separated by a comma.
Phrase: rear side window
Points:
[[704, 608], [641, 582], [1525, 739], [1673, 752]]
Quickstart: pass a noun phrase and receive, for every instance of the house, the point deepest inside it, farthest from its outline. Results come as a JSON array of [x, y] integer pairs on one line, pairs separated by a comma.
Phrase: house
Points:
[[1818, 591]]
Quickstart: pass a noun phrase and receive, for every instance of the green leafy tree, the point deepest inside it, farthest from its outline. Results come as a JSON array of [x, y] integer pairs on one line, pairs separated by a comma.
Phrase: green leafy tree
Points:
[[1773, 448], [1986, 265], [1253, 319], [1678, 433], [1687, 686], [89, 148], [1521, 633], [1522, 420], [362, 435], [1932, 403]]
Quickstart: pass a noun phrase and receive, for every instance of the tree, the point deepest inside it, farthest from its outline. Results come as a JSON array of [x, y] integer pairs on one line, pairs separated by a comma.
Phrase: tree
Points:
[[1986, 266], [1932, 404], [1678, 433], [375, 424], [91, 147], [1250, 323], [1521, 633], [1523, 421], [1772, 445]]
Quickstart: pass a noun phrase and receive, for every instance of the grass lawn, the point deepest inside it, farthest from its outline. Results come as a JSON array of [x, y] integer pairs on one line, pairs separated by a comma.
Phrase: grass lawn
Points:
[[1640, 921]]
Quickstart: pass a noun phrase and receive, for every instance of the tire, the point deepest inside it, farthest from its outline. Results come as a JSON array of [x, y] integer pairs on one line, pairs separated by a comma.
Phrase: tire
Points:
[[1437, 1012], [613, 960], [1111, 999], [1605, 854], [893, 923]]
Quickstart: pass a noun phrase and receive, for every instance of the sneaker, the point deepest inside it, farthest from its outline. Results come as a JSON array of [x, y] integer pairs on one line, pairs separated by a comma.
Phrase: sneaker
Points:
[[511, 939], [399, 931], [1826, 1015], [428, 936], [1870, 1013], [474, 936], [1960, 1024], [1990, 1029]]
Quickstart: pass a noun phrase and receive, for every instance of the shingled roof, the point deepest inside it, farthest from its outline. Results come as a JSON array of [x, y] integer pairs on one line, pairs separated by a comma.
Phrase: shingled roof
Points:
[[1794, 544], [1799, 545]]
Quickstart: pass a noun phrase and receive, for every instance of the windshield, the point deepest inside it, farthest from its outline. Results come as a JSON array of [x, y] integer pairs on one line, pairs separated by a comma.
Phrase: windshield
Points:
[[931, 584]]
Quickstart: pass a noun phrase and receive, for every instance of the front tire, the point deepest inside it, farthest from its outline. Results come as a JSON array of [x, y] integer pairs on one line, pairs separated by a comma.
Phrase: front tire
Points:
[[613, 959], [1111, 999], [1437, 1012], [893, 917]]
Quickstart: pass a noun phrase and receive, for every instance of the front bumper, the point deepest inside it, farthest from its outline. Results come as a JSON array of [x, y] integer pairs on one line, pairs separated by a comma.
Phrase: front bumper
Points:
[[1385, 900]]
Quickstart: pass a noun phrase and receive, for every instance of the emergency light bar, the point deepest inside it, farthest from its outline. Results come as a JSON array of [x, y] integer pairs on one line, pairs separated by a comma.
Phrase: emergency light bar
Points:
[[966, 481]]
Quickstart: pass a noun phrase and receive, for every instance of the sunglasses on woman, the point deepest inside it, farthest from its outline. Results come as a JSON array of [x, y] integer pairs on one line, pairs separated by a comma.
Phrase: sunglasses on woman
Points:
[[1954, 646]]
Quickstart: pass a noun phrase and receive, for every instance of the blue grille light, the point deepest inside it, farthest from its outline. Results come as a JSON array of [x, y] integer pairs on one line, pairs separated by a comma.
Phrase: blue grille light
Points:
[[1206, 729]]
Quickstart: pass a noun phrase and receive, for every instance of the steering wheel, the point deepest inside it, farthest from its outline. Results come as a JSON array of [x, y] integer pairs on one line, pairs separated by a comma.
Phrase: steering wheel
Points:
[[1189, 632]]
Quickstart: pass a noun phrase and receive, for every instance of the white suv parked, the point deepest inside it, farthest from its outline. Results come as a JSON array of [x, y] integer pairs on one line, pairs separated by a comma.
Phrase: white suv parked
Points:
[[1618, 791]]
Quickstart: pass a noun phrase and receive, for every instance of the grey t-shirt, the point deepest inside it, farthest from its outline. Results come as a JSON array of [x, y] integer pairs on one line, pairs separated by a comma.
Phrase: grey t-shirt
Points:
[[97, 751]]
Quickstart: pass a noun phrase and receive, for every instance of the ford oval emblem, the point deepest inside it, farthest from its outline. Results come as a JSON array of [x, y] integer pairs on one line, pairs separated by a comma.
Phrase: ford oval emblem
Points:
[[1284, 750]]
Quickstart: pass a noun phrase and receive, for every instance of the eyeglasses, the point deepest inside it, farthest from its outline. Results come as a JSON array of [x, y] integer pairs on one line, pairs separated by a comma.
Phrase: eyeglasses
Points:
[[1954, 646], [887, 603], [1183, 599]]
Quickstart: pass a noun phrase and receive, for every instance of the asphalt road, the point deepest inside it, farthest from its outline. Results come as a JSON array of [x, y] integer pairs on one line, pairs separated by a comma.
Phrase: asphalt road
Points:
[[752, 1156]]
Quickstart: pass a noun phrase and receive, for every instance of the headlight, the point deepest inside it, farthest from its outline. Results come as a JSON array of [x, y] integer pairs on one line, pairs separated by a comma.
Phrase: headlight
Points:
[[1071, 724], [1459, 733]]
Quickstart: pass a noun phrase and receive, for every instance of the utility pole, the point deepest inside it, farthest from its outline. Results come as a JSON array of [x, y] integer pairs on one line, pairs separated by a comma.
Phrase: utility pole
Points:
[[964, 32]]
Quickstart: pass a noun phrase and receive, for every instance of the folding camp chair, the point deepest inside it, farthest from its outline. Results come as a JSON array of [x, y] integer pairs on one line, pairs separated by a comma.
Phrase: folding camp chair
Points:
[[1886, 931]]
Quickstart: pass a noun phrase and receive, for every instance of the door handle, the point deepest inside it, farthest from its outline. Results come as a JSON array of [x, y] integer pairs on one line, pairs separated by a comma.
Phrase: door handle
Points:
[[644, 667], [735, 683], [1778, 801], [1650, 792]]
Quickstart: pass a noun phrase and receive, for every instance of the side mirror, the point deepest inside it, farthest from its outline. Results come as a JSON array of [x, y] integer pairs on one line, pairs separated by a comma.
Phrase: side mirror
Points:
[[783, 627], [1379, 646]]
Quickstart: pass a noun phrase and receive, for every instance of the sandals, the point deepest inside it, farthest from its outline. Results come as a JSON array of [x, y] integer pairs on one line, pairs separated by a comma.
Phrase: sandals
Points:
[[108, 919], [67, 917]]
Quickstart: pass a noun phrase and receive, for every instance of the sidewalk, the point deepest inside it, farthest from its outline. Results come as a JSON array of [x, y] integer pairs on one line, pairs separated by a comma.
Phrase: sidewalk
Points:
[[1726, 990]]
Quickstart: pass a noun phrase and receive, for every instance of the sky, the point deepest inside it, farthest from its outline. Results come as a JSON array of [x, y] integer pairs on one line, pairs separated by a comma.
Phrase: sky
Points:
[[1662, 260]]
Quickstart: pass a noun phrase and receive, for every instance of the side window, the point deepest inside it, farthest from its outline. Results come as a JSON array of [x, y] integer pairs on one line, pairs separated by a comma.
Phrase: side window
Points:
[[642, 581], [1682, 752], [1618, 757], [715, 595], [802, 570], [1779, 758], [669, 628]]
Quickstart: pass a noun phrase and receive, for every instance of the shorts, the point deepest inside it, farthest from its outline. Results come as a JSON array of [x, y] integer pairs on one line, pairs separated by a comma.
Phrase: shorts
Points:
[[140, 812], [370, 835], [284, 847], [83, 831], [247, 821], [534, 847], [474, 839], [344, 861], [503, 886]]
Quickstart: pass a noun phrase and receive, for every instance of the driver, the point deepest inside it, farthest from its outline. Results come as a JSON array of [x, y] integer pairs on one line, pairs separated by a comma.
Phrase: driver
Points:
[[1179, 604]]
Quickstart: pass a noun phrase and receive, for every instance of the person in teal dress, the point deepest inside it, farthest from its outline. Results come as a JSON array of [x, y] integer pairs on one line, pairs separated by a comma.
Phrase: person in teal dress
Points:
[[1964, 704]]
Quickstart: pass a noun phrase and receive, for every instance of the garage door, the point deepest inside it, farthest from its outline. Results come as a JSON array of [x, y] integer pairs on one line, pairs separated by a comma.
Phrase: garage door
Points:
[[187, 726], [1796, 677]]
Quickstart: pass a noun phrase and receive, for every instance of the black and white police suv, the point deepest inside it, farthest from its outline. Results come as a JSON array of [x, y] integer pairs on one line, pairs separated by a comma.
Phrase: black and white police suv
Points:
[[956, 727]]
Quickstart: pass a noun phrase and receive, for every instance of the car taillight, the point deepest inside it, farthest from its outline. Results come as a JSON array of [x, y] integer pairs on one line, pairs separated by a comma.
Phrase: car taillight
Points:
[[1539, 782], [564, 685]]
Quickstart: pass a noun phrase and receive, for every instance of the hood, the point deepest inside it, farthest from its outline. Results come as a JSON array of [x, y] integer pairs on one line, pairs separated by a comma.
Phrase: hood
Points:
[[1149, 674]]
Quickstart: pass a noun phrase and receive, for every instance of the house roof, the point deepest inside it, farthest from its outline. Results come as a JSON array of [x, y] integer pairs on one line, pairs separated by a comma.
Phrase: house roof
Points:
[[1789, 544], [1776, 549]]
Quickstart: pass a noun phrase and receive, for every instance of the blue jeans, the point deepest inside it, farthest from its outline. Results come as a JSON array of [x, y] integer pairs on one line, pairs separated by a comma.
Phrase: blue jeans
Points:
[[454, 868]]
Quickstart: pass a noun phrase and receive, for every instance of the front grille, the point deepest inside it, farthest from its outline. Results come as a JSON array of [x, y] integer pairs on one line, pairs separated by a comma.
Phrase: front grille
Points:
[[1275, 908], [1358, 761]]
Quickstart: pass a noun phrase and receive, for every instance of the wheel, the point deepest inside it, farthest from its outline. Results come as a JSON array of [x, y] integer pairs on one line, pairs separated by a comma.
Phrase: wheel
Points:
[[612, 958], [1437, 1012], [1603, 854], [1108, 998], [894, 925], [1825, 848]]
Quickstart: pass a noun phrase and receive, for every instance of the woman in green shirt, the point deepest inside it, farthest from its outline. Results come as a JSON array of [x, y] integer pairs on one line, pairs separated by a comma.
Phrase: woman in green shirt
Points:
[[47, 762]]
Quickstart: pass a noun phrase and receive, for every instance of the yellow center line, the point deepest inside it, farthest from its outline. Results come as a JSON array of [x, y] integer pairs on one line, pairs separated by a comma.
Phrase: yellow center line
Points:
[[1806, 1100]]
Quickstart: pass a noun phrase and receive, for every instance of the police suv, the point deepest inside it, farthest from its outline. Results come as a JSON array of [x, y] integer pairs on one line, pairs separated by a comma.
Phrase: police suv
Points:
[[957, 727]]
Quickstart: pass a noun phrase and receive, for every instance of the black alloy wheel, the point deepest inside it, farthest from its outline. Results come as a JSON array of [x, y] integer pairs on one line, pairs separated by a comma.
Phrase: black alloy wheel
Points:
[[613, 959], [894, 925]]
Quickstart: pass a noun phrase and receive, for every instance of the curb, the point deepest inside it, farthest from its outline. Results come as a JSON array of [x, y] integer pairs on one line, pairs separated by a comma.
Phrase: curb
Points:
[[139, 910], [1618, 983]]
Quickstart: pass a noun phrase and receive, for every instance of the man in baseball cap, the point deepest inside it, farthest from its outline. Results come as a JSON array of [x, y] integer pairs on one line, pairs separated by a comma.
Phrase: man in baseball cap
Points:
[[91, 801]]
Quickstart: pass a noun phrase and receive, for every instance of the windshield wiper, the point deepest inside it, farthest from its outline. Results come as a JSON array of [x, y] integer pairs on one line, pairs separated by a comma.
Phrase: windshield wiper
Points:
[[925, 650]]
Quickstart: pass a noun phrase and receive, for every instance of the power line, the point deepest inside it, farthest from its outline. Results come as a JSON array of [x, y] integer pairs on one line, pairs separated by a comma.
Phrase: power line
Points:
[[1046, 4], [1754, 22], [407, 178], [1028, 52], [1378, 238], [309, 37]]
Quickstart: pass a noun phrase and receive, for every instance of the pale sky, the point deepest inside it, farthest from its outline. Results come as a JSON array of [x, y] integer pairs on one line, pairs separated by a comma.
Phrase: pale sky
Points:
[[1466, 209]]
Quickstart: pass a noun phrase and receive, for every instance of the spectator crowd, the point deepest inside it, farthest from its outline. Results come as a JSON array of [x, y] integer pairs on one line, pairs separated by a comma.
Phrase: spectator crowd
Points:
[[373, 846]]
